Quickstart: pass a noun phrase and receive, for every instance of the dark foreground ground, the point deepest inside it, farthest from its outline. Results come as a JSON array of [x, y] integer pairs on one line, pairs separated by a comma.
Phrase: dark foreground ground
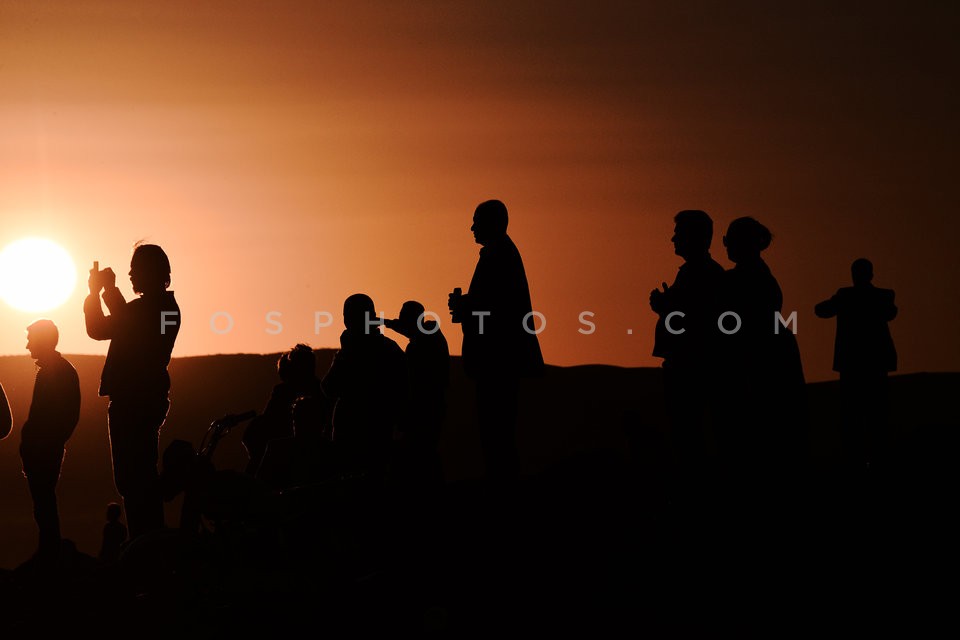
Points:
[[599, 544]]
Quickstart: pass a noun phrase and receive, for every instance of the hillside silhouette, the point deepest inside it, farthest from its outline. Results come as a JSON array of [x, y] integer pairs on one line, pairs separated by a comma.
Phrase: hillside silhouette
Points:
[[589, 537], [571, 412]]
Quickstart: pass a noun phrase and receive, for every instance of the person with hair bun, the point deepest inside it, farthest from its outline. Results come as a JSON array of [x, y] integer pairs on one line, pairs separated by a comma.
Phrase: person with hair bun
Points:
[[765, 392]]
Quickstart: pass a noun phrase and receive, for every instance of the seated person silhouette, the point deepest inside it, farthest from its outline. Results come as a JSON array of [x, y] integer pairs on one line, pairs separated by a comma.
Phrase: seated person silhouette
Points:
[[221, 497], [298, 379], [428, 370], [114, 534], [54, 412], [304, 458], [863, 355], [367, 381]]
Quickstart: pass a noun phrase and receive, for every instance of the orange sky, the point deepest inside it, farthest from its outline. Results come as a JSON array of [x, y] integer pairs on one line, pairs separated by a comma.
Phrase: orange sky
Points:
[[288, 154]]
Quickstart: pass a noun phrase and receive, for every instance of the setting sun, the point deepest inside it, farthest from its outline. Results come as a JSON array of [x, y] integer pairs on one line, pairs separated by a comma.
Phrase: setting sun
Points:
[[36, 274]]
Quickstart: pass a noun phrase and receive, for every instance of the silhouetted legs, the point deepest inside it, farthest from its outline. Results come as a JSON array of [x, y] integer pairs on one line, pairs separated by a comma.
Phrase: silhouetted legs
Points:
[[134, 435], [497, 413], [865, 407], [42, 468], [688, 398]]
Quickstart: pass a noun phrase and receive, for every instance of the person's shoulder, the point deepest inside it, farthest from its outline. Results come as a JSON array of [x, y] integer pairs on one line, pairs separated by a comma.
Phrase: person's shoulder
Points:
[[64, 366], [390, 346], [169, 301]]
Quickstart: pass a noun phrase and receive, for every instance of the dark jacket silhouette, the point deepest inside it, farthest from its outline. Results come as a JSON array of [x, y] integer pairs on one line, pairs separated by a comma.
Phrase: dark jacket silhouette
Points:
[[695, 293], [765, 386], [428, 370], [499, 346], [296, 369], [863, 355], [686, 337], [142, 333], [368, 382], [499, 286], [54, 412], [863, 341], [139, 352]]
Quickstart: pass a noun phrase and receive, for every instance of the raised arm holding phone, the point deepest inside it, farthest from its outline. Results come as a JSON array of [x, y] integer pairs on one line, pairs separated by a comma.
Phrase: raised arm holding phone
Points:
[[142, 333]]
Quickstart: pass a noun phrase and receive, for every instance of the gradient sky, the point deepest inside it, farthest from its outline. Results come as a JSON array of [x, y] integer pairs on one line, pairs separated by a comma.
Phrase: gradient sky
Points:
[[287, 154]]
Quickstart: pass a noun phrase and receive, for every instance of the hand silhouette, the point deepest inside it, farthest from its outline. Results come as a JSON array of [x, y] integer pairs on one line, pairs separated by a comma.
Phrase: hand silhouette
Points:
[[658, 299]]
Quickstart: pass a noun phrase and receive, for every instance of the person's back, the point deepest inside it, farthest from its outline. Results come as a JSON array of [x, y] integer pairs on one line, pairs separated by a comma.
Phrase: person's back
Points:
[[863, 342], [139, 352], [368, 390], [297, 371], [765, 387], [497, 326], [368, 381], [54, 413], [417, 459]]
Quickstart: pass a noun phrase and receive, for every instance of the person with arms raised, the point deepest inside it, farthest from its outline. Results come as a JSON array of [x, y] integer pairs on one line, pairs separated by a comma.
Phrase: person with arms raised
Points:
[[142, 333]]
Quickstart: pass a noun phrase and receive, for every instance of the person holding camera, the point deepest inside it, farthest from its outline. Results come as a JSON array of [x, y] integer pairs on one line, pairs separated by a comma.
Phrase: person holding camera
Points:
[[142, 333]]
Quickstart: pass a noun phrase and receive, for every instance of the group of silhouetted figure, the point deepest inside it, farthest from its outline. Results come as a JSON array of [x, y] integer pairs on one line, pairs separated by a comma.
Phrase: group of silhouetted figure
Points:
[[731, 363], [731, 366]]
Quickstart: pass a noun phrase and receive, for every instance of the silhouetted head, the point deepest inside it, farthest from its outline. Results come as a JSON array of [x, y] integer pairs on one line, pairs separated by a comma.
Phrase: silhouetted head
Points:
[[406, 322], [42, 338], [358, 310], [862, 271], [692, 233], [149, 269], [489, 222], [113, 512], [746, 239], [297, 365]]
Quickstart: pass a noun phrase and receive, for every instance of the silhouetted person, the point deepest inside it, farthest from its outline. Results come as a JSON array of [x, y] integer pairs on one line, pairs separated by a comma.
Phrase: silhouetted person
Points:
[[686, 337], [142, 333], [368, 381], [54, 412], [428, 368], [304, 458], [6, 418], [765, 387], [863, 355], [298, 379], [114, 534], [499, 346]]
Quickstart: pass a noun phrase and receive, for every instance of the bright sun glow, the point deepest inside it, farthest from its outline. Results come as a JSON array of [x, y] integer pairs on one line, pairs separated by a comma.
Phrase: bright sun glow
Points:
[[36, 274]]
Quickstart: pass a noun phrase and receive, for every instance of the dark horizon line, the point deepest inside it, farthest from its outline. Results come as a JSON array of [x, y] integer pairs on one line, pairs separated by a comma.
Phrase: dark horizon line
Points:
[[897, 374]]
